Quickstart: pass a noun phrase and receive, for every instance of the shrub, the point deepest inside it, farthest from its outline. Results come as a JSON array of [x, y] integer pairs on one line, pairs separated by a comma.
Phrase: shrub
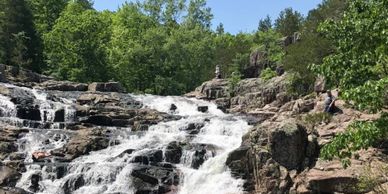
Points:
[[268, 74], [312, 120], [233, 81]]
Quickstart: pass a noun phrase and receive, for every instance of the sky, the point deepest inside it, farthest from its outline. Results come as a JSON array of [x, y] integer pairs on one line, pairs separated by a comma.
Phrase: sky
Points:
[[237, 15]]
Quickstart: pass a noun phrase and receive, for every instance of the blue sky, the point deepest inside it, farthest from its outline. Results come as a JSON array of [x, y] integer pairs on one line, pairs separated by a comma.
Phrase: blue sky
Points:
[[237, 15]]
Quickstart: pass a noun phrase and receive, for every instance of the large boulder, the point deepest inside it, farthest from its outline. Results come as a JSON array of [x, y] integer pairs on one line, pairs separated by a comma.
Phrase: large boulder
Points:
[[63, 86], [240, 163], [213, 89], [288, 145], [8, 176], [105, 87], [154, 179], [173, 152], [22, 76], [255, 93], [151, 157], [85, 141]]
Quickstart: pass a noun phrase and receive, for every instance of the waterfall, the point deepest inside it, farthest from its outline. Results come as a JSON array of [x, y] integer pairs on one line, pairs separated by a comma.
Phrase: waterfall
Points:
[[201, 167]]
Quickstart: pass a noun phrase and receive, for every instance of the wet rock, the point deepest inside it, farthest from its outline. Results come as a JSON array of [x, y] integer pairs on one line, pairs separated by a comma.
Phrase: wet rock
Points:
[[8, 176], [35, 178], [145, 177], [128, 151], [193, 128], [198, 158], [223, 104], [60, 171], [151, 179], [13, 190], [85, 141], [237, 162], [59, 115], [28, 112], [99, 120], [173, 107], [6, 148], [17, 156], [73, 184], [173, 152], [203, 109], [151, 157]]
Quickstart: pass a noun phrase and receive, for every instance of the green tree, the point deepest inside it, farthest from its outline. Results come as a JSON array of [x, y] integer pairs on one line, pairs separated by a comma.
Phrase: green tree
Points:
[[45, 13], [312, 47], [220, 29], [19, 42], [359, 69], [267, 42], [265, 24], [75, 48], [288, 22], [198, 14]]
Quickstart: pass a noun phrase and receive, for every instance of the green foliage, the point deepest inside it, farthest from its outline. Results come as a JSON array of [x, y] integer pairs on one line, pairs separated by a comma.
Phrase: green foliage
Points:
[[232, 52], [358, 69], [75, 48], [361, 40], [268, 74], [299, 84], [20, 45], [142, 47], [265, 24], [312, 47], [359, 135], [233, 80], [45, 13], [288, 22], [268, 44], [198, 14]]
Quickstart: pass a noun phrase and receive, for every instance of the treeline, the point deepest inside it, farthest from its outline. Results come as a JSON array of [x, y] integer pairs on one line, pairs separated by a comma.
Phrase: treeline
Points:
[[154, 46]]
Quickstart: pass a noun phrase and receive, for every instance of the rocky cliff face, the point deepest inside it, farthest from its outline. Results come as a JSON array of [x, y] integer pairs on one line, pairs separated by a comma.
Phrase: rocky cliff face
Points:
[[281, 153]]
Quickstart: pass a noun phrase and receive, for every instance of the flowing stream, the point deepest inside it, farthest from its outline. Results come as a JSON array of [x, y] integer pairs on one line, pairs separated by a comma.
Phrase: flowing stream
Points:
[[108, 170]]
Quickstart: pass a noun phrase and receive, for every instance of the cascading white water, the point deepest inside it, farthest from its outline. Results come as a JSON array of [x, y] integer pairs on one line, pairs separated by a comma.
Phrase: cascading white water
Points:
[[109, 170], [223, 131]]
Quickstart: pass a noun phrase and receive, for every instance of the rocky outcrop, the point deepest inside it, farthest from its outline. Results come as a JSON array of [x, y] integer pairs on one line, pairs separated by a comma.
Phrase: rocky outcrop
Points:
[[213, 89], [173, 152], [62, 86], [105, 87], [250, 94], [154, 179], [283, 152], [20, 76], [256, 93], [83, 142], [8, 176]]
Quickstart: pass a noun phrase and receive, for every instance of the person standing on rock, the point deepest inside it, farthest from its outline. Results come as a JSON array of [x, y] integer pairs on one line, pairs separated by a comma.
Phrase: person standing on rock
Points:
[[218, 72], [329, 103]]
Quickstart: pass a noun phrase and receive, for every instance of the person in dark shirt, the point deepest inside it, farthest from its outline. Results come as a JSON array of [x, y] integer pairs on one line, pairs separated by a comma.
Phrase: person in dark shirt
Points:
[[329, 103]]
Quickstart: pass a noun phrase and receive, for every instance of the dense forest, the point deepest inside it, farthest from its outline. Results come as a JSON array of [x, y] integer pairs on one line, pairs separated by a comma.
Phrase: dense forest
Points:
[[155, 46]]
